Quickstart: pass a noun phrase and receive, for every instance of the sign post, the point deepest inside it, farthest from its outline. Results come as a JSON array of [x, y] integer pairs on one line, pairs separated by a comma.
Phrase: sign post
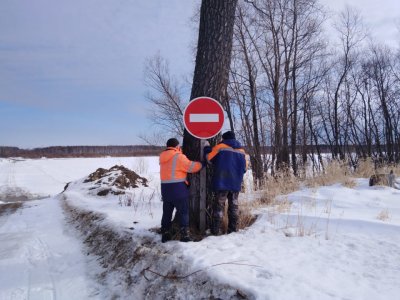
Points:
[[203, 191], [203, 118]]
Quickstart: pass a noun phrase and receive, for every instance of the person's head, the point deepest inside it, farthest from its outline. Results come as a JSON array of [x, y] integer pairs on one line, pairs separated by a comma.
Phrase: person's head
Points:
[[173, 142], [229, 135]]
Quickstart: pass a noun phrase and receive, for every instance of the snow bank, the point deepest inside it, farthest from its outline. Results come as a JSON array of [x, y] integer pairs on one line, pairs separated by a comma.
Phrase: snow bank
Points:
[[137, 265], [317, 246]]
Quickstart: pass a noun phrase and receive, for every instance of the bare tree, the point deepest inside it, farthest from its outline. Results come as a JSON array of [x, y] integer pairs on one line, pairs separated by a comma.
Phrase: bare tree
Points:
[[385, 88], [243, 90], [351, 33], [286, 36], [164, 96], [286, 92]]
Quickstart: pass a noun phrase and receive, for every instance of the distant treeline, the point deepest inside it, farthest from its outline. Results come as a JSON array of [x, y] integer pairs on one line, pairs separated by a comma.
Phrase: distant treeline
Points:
[[98, 151], [81, 151]]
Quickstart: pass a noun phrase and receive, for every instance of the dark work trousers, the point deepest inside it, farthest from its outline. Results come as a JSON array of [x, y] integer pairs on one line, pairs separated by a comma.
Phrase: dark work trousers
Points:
[[182, 209], [219, 208]]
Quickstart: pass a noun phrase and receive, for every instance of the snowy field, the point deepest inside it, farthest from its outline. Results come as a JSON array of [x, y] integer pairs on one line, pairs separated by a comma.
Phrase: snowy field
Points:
[[322, 243]]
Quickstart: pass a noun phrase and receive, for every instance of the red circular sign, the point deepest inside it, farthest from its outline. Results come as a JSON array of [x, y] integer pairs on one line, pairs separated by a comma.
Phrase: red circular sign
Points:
[[203, 117]]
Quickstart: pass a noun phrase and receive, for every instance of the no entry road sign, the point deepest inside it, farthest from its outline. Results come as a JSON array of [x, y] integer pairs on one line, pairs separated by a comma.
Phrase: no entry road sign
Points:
[[203, 117]]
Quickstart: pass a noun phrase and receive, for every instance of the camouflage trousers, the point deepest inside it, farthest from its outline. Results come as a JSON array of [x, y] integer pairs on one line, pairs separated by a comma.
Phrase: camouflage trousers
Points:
[[219, 209]]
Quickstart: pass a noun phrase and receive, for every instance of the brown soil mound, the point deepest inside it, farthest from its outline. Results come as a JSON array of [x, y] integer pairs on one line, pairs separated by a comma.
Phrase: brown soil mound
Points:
[[9, 208], [115, 180]]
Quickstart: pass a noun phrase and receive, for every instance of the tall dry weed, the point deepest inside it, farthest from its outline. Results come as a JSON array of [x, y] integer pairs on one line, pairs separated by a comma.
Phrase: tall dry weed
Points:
[[281, 184], [365, 168], [246, 216], [285, 183], [383, 215], [141, 166], [387, 168], [335, 172]]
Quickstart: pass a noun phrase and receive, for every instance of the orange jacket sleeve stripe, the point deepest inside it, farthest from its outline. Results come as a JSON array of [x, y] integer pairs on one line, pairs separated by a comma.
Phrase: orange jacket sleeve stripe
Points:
[[175, 166], [222, 147], [174, 163]]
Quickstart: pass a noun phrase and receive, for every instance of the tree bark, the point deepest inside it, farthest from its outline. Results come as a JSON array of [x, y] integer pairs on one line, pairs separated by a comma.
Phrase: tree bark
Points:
[[210, 76]]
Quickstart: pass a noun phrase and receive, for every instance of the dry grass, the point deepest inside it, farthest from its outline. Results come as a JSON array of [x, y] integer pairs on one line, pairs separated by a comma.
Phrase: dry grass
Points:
[[281, 184], [140, 200], [246, 217], [141, 166], [365, 168], [275, 186], [349, 182], [340, 172], [386, 169], [383, 215], [284, 183], [282, 206], [335, 172]]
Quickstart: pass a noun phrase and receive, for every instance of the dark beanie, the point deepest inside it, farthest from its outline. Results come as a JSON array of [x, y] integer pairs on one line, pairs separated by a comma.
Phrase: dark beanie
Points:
[[229, 135], [172, 142]]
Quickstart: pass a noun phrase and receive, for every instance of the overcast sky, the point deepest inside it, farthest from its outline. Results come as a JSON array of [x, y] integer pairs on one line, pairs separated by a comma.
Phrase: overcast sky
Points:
[[71, 71]]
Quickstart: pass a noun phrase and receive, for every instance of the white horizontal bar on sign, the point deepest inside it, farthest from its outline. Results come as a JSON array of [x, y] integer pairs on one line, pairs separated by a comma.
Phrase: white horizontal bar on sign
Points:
[[197, 118]]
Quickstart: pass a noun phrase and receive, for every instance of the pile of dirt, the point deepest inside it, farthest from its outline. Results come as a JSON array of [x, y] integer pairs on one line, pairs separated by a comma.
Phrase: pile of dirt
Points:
[[9, 208], [115, 180]]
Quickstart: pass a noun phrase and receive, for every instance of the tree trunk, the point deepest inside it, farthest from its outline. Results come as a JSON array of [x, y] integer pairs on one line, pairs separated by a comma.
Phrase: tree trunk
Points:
[[210, 76]]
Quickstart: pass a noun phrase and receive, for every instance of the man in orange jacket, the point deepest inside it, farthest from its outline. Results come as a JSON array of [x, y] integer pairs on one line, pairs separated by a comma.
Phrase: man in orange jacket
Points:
[[174, 166]]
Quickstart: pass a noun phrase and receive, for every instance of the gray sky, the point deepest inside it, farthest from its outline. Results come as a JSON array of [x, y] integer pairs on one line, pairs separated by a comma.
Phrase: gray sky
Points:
[[380, 17], [71, 71]]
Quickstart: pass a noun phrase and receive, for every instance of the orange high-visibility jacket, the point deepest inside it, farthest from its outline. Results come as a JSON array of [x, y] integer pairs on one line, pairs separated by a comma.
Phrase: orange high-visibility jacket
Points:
[[174, 166]]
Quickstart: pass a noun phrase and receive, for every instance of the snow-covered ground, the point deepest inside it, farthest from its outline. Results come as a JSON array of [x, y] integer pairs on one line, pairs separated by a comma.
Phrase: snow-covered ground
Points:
[[40, 258], [323, 243]]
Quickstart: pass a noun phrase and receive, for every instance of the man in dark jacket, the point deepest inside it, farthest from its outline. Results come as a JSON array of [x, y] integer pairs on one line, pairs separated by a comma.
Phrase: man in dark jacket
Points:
[[229, 165]]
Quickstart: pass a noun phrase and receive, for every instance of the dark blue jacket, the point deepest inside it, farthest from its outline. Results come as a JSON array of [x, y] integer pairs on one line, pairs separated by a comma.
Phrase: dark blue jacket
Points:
[[229, 165]]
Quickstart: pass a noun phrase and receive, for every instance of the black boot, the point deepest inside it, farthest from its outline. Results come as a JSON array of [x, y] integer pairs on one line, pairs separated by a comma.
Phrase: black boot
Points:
[[216, 224], [166, 235], [232, 226], [231, 229], [185, 235]]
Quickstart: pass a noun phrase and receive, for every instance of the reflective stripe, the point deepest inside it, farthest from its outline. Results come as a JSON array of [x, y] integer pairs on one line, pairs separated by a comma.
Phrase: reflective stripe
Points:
[[174, 161], [191, 167], [173, 180], [231, 150]]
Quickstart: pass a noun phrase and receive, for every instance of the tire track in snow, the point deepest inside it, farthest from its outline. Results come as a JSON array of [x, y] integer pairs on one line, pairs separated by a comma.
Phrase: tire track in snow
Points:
[[10, 191], [40, 269], [41, 259], [39, 168]]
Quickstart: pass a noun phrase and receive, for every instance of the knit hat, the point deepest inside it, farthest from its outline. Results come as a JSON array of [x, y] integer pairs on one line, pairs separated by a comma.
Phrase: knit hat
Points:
[[229, 135], [172, 142]]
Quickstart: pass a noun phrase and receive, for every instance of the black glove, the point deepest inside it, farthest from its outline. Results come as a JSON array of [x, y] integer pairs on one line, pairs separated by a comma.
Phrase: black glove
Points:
[[203, 164], [207, 149]]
